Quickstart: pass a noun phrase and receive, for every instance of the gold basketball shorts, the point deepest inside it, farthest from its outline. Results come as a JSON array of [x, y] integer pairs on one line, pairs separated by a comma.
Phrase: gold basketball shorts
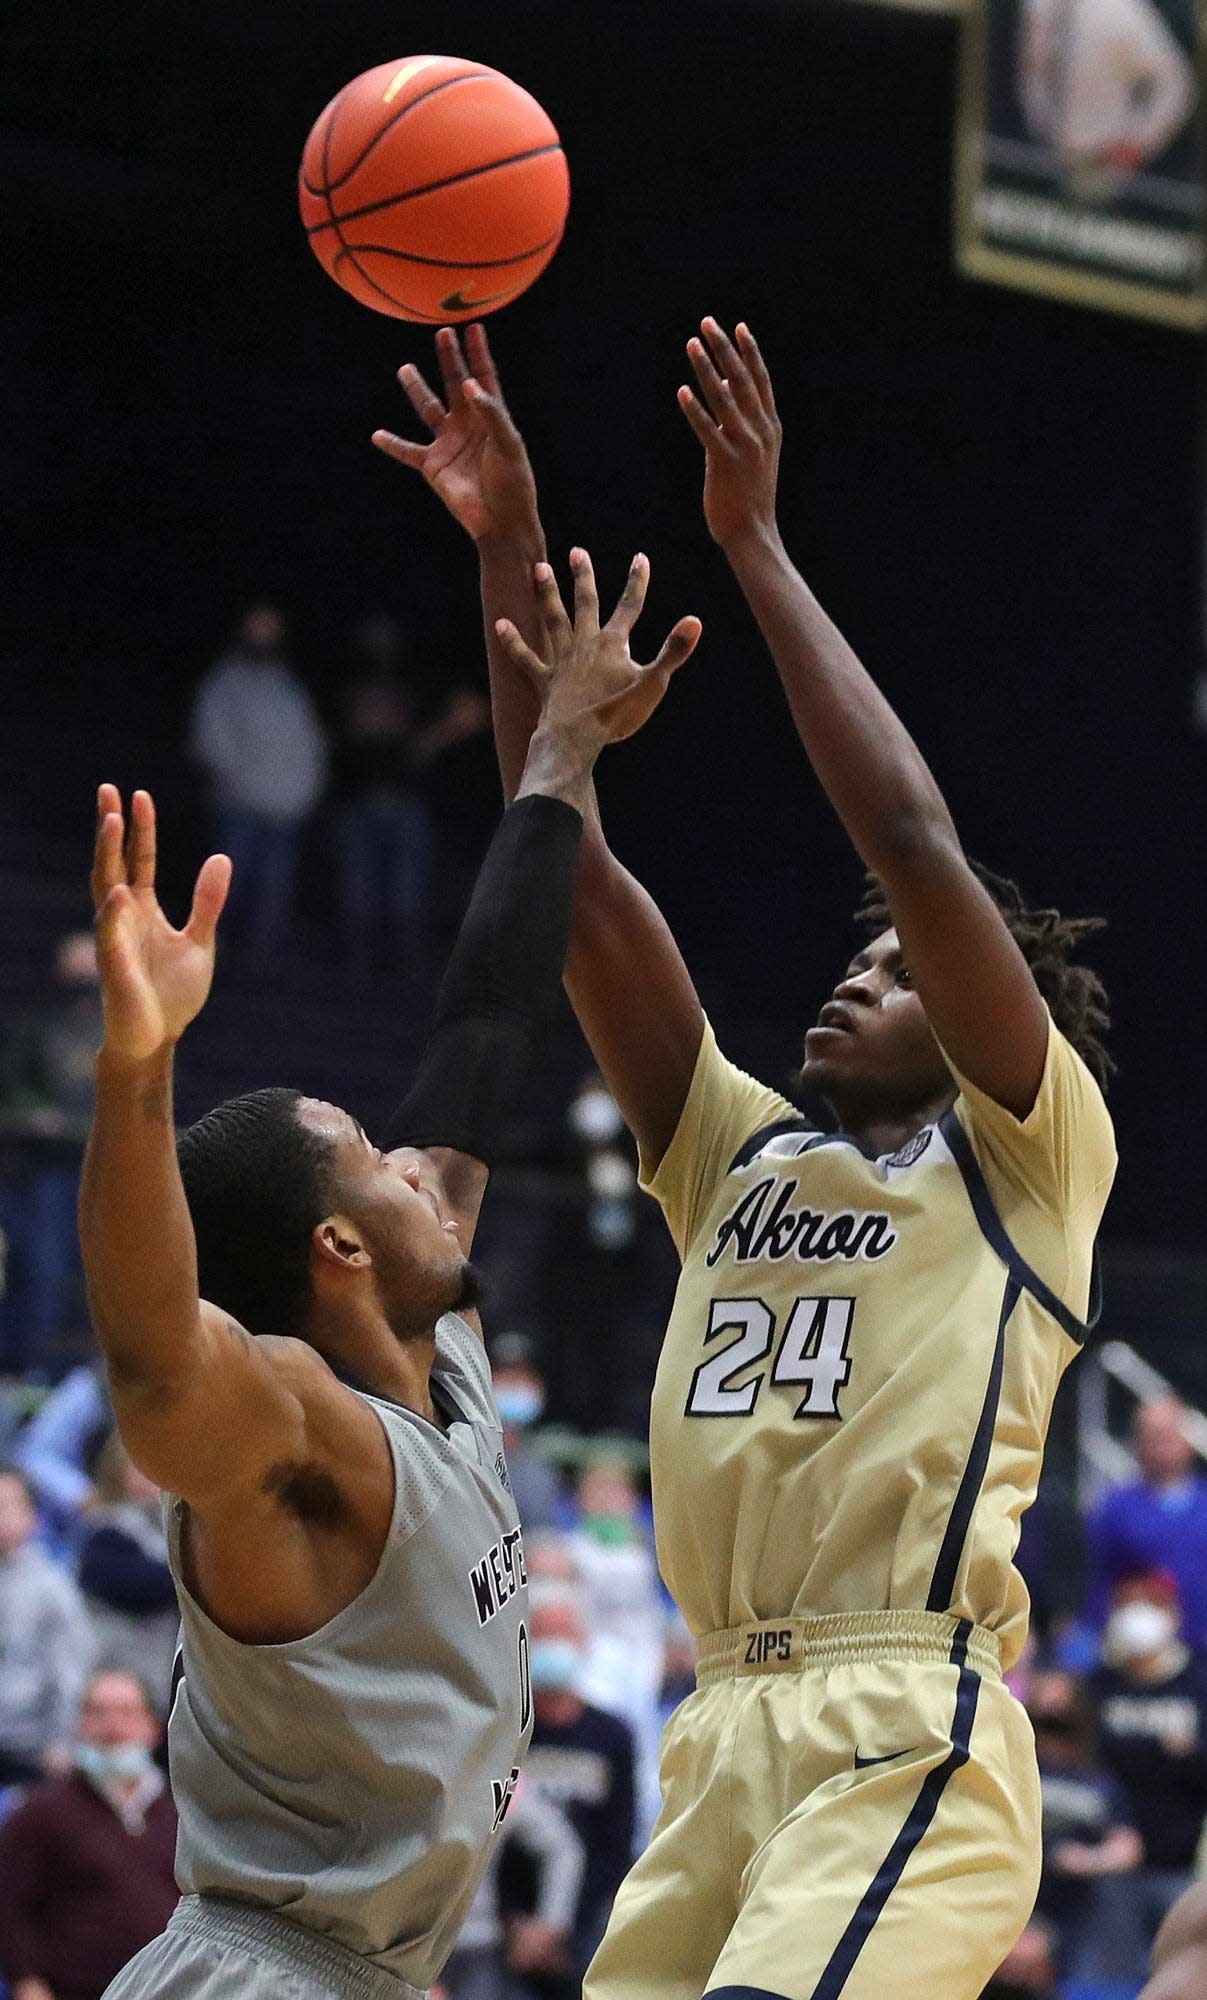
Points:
[[850, 1810]]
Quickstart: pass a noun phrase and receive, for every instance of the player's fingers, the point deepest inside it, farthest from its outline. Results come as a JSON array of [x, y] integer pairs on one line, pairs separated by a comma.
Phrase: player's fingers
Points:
[[140, 842], [209, 899], [760, 373], [495, 411], [422, 399], [453, 369], [520, 653], [730, 365], [678, 646], [107, 869], [586, 595], [481, 360], [697, 416], [716, 391], [402, 449], [549, 598], [632, 597], [115, 952]]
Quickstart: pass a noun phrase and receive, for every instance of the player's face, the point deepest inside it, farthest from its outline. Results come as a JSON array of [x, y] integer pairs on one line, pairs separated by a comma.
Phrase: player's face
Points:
[[872, 1050], [394, 1200]]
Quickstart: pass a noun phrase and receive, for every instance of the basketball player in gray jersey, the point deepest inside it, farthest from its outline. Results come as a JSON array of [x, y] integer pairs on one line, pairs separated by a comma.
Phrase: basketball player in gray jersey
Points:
[[287, 1317]]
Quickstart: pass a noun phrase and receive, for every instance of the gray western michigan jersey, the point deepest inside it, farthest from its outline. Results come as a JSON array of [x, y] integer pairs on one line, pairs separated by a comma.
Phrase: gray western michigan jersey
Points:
[[354, 1780]]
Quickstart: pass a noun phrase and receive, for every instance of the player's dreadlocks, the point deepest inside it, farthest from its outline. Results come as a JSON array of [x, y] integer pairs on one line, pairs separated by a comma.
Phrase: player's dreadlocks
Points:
[[1076, 997]]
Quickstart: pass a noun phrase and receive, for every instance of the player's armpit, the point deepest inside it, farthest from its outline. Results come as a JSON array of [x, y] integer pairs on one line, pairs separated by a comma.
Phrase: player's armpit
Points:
[[1063, 1152], [224, 1411], [724, 1108]]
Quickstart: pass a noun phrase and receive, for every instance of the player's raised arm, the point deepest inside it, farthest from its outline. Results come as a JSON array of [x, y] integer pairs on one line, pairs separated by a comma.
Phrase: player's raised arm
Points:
[[976, 987], [510, 955], [477, 464], [193, 1395]]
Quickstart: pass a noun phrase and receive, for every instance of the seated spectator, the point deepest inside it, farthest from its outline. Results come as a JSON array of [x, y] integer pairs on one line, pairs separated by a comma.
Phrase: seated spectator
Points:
[[86, 1862], [1157, 1522], [1088, 1836], [46, 1645], [520, 1395], [124, 1575], [581, 1758], [537, 1944], [55, 1448], [1029, 1971], [1152, 1727], [624, 1613]]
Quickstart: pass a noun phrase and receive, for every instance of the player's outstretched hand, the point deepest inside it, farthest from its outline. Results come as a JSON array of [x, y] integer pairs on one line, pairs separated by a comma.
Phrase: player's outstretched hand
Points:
[[154, 979], [476, 462], [586, 677], [735, 418]]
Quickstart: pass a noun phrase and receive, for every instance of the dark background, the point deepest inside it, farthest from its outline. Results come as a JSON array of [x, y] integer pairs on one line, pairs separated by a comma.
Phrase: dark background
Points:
[[994, 495]]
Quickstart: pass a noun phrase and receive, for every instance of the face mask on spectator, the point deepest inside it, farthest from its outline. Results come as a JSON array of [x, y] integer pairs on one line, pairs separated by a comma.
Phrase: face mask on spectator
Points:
[[611, 1531], [519, 1404], [1135, 1630], [554, 1665], [112, 1763]]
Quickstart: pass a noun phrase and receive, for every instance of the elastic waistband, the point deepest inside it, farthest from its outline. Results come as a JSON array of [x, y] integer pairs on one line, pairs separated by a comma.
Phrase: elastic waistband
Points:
[[266, 1935], [796, 1645]]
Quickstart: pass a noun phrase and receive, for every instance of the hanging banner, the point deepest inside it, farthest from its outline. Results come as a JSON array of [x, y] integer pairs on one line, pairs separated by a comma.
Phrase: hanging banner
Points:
[[1080, 153]]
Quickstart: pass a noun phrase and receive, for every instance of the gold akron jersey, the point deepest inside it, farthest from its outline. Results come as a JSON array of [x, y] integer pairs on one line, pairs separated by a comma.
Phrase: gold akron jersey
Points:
[[851, 1402]]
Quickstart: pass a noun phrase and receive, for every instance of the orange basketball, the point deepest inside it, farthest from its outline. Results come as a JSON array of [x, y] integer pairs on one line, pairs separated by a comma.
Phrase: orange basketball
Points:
[[433, 189]]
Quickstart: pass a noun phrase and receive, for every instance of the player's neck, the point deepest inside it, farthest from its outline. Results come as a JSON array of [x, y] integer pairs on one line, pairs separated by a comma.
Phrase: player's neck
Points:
[[881, 1130], [371, 1356]]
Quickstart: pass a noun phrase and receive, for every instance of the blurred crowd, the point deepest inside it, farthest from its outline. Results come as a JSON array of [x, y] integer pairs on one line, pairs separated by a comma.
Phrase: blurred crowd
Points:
[[1117, 1696]]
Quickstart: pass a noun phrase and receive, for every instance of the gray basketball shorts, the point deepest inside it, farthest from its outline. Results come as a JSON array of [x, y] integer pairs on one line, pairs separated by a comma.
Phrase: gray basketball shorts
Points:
[[214, 1949]]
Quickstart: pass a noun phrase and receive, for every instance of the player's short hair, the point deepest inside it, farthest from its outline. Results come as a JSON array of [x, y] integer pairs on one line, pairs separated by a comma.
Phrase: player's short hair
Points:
[[257, 1182], [1075, 995]]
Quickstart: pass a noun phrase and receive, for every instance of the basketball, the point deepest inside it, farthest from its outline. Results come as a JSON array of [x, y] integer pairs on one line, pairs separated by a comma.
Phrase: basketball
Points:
[[433, 189]]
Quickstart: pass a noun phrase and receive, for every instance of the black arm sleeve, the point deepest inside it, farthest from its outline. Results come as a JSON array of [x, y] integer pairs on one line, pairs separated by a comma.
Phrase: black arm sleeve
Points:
[[499, 987]]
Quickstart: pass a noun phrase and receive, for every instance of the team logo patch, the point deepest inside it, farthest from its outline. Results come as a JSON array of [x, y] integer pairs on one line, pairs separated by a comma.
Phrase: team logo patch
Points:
[[501, 1469], [912, 1150]]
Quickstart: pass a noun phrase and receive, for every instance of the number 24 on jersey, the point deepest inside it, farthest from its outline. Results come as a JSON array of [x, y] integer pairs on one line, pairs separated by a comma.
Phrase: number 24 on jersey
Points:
[[812, 1354]]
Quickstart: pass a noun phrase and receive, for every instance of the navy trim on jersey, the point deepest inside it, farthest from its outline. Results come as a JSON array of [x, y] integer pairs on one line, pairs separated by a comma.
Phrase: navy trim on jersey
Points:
[[943, 1582], [757, 1140], [993, 1230], [842, 1959]]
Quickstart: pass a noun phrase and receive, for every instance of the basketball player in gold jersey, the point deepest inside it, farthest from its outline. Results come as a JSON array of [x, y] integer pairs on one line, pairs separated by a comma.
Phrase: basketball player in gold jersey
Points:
[[871, 1323]]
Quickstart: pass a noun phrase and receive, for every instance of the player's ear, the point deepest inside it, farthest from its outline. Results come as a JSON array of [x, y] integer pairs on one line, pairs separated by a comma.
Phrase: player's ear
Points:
[[337, 1241]]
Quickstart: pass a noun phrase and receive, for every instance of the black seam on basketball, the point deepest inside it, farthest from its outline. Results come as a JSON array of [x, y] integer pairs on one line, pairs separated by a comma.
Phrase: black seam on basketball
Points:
[[432, 90], [452, 263], [412, 194], [345, 249], [349, 251]]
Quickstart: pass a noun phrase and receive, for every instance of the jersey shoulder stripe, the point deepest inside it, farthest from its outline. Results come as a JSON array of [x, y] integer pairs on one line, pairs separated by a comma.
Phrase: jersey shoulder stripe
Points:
[[994, 1231]]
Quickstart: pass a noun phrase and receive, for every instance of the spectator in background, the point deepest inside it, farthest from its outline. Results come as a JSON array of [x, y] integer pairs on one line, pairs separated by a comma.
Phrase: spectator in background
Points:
[[382, 753], [1029, 1971], [1088, 1835], [86, 1863], [581, 1758], [539, 1941], [624, 1612], [256, 734], [1152, 1728], [46, 1646], [56, 1448], [520, 1395], [1158, 1522], [47, 1086], [124, 1574]]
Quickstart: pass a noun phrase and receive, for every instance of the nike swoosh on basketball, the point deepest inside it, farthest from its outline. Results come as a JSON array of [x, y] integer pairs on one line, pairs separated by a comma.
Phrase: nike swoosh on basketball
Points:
[[456, 302], [861, 1763]]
